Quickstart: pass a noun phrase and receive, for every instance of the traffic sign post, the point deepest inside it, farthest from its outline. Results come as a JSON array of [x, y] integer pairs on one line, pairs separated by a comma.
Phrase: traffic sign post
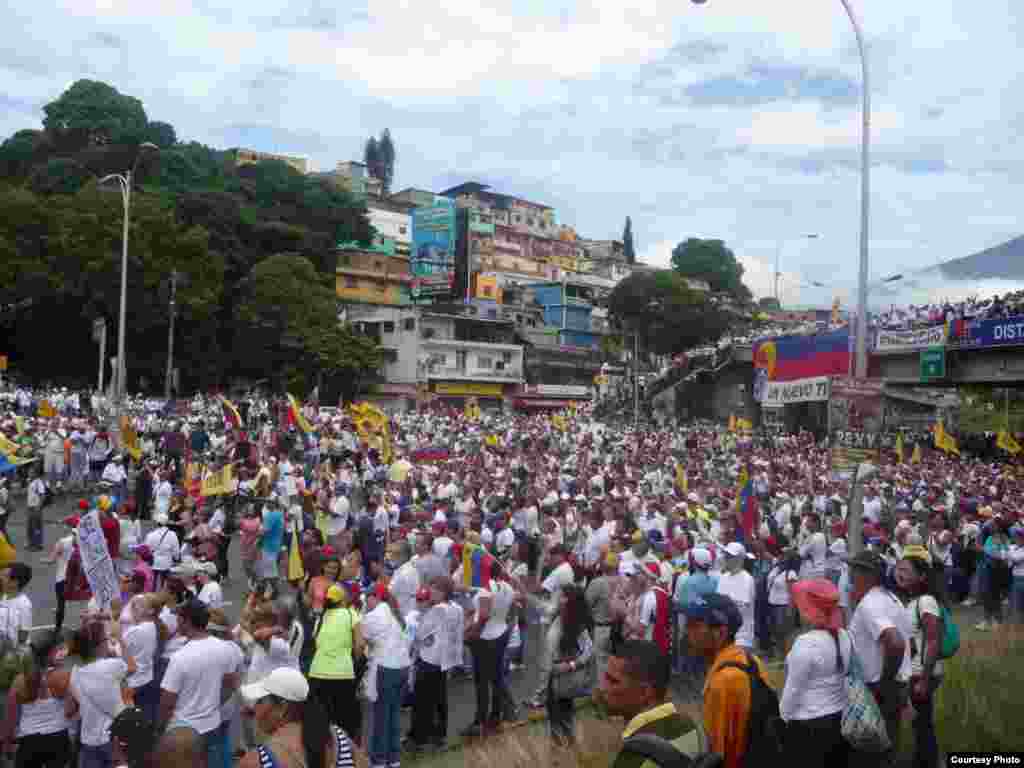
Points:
[[933, 363]]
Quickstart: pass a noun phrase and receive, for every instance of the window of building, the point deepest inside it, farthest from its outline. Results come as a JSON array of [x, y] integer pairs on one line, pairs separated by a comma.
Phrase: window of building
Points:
[[378, 266], [492, 314], [402, 229], [350, 282], [390, 355], [460, 360], [485, 362], [531, 323], [409, 324], [529, 220], [506, 356], [519, 318], [387, 327]]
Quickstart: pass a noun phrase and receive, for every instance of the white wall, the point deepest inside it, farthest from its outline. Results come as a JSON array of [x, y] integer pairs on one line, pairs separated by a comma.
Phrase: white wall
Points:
[[390, 224]]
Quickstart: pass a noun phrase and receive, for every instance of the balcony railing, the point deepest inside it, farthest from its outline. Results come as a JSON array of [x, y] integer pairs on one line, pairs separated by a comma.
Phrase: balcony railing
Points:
[[474, 374]]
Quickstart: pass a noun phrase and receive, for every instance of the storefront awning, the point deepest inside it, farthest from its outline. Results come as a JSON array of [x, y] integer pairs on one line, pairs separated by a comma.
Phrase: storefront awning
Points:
[[540, 403]]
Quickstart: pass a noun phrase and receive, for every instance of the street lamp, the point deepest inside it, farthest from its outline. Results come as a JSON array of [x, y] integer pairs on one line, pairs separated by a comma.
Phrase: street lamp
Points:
[[125, 180], [860, 350], [778, 258]]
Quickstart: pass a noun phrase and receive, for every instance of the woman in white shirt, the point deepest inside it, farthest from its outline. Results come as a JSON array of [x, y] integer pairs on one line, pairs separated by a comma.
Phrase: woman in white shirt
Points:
[[916, 578], [815, 693], [383, 628]]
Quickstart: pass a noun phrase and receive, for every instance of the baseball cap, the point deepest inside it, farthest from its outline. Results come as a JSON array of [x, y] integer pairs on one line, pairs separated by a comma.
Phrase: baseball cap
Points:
[[422, 593], [715, 610], [735, 549], [72, 521], [284, 683], [196, 611], [701, 557]]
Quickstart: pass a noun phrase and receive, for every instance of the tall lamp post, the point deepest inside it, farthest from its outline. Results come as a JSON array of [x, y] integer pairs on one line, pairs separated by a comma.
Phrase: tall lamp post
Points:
[[861, 330], [125, 180]]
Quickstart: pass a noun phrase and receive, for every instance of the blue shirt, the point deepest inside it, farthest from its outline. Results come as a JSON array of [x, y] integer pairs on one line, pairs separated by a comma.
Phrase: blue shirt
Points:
[[273, 531], [697, 584]]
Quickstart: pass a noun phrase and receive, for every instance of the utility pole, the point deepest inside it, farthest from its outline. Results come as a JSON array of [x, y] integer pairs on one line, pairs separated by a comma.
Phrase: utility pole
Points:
[[170, 336]]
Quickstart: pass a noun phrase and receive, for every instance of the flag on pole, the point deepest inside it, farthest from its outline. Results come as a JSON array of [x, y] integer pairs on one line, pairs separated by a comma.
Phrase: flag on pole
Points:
[[746, 505], [682, 482], [230, 412], [296, 570], [296, 412], [915, 458], [130, 439], [477, 565], [46, 411], [1007, 442], [732, 422], [899, 447]]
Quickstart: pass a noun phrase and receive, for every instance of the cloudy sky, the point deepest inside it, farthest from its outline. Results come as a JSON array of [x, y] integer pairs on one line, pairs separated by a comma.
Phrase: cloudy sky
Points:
[[737, 119]]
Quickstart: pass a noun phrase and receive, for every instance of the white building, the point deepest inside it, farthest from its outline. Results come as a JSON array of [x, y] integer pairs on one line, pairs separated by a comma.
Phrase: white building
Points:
[[392, 224]]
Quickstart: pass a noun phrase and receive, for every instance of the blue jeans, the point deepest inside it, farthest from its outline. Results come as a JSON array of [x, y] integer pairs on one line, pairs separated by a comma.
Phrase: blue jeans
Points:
[[95, 757], [1017, 600], [217, 753], [147, 698], [385, 740]]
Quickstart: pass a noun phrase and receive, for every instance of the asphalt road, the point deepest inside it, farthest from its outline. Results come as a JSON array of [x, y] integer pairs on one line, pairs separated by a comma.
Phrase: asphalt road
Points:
[[461, 699]]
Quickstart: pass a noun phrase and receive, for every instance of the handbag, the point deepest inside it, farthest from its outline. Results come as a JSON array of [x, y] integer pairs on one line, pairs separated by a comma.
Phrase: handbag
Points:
[[863, 726]]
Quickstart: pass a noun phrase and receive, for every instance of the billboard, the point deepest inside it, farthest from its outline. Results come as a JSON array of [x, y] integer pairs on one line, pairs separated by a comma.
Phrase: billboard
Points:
[[804, 357], [855, 417], [997, 332], [894, 342], [432, 257], [778, 393]]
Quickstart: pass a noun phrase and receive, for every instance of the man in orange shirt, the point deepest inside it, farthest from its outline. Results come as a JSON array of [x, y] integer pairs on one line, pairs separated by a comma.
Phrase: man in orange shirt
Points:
[[712, 621]]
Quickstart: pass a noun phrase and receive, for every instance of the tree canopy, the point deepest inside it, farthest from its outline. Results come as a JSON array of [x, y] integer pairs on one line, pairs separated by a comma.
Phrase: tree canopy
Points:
[[711, 260], [194, 210], [668, 315]]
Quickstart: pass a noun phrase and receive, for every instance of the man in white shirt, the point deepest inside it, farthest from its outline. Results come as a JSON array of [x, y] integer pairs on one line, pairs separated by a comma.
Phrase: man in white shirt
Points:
[[881, 632], [813, 550], [406, 579], [164, 544], [15, 605], [201, 674], [549, 600], [36, 496], [740, 586], [872, 505]]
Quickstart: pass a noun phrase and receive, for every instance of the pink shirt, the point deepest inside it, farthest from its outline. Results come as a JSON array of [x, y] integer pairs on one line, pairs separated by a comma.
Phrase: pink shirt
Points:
[[248, 537]]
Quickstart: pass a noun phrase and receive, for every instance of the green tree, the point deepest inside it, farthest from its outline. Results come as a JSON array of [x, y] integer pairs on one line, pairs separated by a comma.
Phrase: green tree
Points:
[[628, 249], [288, 324], [92, 113], [386, 150], [161, 134], [711, 260], [60, 175], [372, 157], [669, 317], [21, 151]]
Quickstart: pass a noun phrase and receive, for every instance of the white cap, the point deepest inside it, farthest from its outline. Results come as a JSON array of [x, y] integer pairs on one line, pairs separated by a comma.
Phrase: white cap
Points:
[[701, 557], [284, 682], [735, 549]]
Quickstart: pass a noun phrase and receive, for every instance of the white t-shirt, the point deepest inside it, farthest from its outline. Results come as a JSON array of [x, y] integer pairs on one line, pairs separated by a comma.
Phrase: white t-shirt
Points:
[[404, 584], [266, 660], [337, 521], [97, 689], [501, 595], [557, 580], [778, 590], [196, 673], [211, 594], [741, 588], [878, 611], [382, 630], [648, 613], [873, 509], [454, 626], [15, 616], [431, 637], [815, 685], [140, 642], [441, 546], [163, 543], [928, 604]]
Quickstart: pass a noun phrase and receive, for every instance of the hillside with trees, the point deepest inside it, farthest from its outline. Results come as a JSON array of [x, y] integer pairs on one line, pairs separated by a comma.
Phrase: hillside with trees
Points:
[[194, 211]]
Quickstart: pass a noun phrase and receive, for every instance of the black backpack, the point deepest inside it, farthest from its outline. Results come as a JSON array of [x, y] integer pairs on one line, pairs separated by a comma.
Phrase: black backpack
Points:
[[764, 727]]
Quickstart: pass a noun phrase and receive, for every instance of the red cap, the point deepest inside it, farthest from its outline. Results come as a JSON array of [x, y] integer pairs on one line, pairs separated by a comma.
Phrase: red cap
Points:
[[83, 504], [328, 551], [422, 593], [653, 569], [381, 591], [73, 521]]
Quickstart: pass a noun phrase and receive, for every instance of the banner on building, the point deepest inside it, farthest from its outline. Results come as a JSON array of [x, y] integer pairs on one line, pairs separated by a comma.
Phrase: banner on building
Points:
[[894, 342], [855, 423], [775, 394], [998, 332], [432, 260], [469, 388], [790, 358], [96, 562], [559, 390]]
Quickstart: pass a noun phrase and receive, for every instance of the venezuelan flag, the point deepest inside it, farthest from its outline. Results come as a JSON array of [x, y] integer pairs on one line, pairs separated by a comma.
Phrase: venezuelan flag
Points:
[[296, 412], [801, 357], [477, 565], [231, 414], [746, 505]]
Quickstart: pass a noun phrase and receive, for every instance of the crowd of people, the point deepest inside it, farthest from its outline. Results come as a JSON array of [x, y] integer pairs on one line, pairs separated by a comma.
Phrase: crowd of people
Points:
[[377, 565]]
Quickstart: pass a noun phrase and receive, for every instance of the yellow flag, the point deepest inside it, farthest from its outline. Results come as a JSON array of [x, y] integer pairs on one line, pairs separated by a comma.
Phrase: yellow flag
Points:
[[8, 447], [19, 422], [744, 425], [130, 439], [46, 411], [300, 420], [558, 422], [949, 444], [915, 458], [296, 571], [732, 422], [1008, 442], [899, 447], [682, 482], [220, 482]]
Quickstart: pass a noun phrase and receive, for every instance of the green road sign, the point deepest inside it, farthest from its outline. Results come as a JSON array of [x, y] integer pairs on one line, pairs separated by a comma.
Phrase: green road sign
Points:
[[933, 363]]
